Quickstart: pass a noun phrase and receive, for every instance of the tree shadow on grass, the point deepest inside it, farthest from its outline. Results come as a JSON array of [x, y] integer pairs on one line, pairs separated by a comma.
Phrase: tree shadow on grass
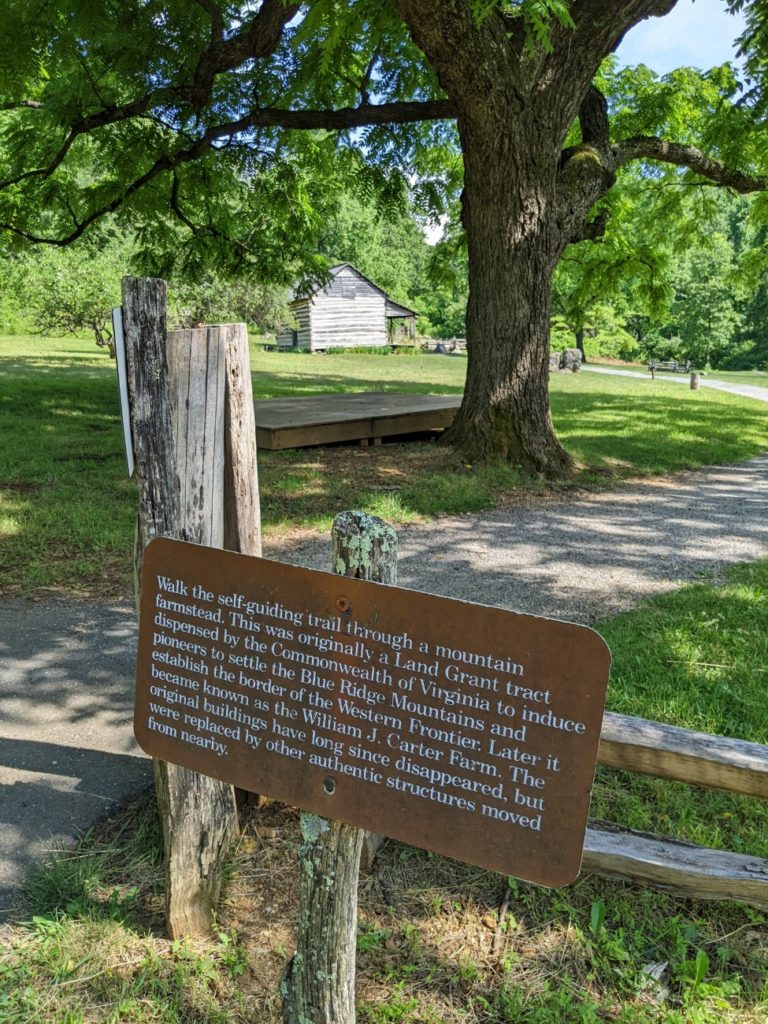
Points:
[[614, 437], [444, 950], [293, 385], [658, 433]]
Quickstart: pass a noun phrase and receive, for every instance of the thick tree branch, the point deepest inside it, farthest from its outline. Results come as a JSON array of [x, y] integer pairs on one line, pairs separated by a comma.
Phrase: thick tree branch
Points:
[[256, 39], [213, 11], [592, 230], [593, 118], [21, 105], [107, 116], [477, 59], [352, 117], [577, 52], [472, 59], [586, 175], [164, 163], [262, 117], [600, 25], [647, 147]]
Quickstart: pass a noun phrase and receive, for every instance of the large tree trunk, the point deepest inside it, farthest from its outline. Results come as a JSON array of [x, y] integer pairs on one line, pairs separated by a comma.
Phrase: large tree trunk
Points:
[[514, 242], [580, 343], [524, 200]]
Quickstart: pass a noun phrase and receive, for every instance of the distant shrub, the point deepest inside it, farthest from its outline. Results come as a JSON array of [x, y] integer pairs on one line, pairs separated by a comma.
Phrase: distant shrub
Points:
[[616, 343], [363, 350]]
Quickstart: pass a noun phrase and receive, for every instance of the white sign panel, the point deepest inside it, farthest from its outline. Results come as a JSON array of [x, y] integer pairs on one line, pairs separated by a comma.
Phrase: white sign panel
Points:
[[122, 383]]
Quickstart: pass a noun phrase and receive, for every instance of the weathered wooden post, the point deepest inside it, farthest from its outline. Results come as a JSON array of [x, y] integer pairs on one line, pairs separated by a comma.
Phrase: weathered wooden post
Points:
[[695, 380], [319, 986], [176, 391], [242, 508], [242, 511]]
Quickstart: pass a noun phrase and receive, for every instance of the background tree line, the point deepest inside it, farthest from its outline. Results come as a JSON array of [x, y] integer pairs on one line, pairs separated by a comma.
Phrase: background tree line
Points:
[[653, 288]]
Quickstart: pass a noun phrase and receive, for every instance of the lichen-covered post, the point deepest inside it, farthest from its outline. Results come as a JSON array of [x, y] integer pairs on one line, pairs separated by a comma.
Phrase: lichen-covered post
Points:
[[319, 984]]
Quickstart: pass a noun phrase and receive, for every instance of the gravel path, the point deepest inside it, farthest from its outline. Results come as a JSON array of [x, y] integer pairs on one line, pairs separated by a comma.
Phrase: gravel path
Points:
[[588, 557], [67, 753]]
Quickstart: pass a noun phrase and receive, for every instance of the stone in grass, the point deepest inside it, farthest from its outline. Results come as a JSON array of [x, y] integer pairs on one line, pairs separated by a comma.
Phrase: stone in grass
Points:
[[571, 360]]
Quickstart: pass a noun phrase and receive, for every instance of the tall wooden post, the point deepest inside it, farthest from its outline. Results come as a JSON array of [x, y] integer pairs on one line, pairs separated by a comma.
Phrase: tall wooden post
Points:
[[242, 511], [319, 986], [176, 392], [149, 397]]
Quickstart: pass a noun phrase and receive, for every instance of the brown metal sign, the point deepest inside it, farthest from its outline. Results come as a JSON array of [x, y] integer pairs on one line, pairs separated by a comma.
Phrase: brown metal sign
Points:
[[467, 730]]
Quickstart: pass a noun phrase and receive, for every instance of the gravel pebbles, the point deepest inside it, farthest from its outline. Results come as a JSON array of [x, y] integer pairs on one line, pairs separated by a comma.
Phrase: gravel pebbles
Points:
[[586, 557]]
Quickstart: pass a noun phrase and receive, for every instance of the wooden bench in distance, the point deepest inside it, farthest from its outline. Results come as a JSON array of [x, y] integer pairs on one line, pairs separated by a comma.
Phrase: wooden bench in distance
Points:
[[671, 365]]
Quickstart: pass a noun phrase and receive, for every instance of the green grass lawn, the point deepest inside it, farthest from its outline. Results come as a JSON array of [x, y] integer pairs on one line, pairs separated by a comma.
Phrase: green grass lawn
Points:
[[757, 377], [67, 508], [696, 658]]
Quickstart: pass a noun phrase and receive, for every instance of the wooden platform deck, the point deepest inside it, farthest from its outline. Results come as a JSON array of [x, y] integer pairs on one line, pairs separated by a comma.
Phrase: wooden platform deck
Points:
[[366, 417]]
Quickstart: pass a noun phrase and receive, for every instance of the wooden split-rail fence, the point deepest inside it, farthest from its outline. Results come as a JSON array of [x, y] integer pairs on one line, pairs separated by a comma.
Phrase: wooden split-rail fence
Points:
[[700, 759]]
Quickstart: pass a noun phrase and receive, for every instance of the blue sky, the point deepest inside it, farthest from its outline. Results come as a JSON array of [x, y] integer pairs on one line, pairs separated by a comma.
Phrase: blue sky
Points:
[[699, 34]]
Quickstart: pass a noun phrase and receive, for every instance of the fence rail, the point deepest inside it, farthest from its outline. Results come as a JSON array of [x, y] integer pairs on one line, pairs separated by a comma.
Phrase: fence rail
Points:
[[675, 866], [699, 759]]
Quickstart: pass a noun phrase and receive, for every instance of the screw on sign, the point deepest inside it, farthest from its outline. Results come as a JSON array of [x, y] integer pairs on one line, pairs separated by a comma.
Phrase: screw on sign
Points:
[[467, 730]]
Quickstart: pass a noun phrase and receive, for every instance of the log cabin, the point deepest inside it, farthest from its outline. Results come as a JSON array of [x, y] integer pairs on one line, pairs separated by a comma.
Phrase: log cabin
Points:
[[348, 312]]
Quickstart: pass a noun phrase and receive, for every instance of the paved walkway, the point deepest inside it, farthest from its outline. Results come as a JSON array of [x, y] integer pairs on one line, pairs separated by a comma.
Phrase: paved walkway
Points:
[[67, 753]]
